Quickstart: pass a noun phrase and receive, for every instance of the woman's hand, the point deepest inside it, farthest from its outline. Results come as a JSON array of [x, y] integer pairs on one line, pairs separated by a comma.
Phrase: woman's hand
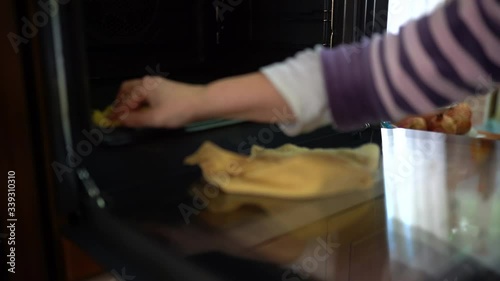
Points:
[[159, 102], [156, 102]]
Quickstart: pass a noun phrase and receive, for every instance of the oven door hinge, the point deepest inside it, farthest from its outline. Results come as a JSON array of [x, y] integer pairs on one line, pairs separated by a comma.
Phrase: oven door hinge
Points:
[[91, 187]]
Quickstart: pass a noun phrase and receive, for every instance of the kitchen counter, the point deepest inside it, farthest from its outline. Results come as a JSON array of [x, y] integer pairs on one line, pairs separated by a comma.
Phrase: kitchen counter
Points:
[[434, 215]]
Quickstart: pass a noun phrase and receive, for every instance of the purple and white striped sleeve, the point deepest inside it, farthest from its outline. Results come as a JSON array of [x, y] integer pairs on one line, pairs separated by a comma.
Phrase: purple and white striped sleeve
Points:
[[434, 61]]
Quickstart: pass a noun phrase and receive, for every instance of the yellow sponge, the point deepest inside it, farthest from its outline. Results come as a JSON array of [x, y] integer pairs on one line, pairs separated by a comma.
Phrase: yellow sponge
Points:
[[101, 118]]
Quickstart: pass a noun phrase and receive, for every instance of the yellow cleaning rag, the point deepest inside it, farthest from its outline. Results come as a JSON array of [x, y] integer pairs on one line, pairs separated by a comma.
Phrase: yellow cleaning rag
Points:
[[101, 118], [288, 171]]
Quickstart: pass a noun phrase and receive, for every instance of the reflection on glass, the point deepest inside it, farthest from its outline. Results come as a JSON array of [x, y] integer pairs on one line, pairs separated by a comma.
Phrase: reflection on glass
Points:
[[415, 190], [442, 199]]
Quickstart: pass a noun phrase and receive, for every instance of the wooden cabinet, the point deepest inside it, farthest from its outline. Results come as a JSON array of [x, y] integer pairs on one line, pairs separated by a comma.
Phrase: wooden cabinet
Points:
[[77, 263]]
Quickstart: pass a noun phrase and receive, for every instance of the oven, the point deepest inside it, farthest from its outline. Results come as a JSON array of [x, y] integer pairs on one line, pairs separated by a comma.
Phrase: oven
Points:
[[91, 46], [107, 186]]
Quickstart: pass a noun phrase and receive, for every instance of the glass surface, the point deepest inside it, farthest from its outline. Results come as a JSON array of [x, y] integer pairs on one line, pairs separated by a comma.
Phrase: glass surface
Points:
[[443, 192], [434, 216]]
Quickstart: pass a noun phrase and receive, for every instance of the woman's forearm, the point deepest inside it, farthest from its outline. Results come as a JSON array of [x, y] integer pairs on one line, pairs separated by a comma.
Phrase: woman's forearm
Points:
[[249, 97], [433, 62]]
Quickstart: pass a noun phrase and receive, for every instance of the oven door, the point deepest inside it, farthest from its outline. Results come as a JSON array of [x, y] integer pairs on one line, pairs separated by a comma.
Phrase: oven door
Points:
[[206, 40], [119, 187], [199, 39]]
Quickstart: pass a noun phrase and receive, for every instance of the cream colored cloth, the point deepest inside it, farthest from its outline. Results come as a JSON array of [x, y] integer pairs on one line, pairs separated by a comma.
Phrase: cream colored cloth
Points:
[[288, 171]]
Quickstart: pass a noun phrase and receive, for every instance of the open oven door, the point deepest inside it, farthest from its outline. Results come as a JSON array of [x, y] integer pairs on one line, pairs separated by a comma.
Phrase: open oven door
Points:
[[112, 186]]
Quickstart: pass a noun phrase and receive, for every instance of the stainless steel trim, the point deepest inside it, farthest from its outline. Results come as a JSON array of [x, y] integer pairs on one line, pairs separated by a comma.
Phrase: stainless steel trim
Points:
[[91, 187], [343, 23], [61, 77]]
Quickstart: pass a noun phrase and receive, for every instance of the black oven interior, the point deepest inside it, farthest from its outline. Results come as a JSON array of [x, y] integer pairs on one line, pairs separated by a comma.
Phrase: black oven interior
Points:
[[202, 40], [196, 37], [195, 41], [199, 41], [133, 176]]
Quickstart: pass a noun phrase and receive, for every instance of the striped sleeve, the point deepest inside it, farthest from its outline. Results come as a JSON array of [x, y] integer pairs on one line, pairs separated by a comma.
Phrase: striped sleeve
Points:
[[434, 61]]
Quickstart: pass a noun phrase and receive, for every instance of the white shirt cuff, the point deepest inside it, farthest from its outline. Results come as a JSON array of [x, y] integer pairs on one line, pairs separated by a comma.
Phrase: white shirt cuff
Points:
[[300, 81]]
